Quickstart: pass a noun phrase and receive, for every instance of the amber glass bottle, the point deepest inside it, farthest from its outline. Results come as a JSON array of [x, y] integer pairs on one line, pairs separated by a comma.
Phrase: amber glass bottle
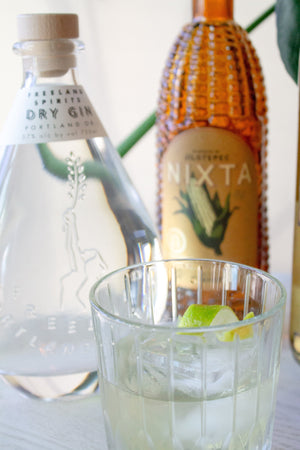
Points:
[[212, 129]]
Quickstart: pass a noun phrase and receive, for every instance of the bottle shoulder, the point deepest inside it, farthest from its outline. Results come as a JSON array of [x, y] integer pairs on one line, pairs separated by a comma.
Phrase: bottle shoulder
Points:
[[212, 77], [205, 53]]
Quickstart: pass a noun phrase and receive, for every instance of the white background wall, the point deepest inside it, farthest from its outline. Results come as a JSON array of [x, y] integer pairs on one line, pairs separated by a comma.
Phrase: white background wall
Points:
[[127, 43]]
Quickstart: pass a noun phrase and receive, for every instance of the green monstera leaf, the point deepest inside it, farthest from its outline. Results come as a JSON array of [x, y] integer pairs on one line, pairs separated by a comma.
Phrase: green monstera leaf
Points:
[[288, 34]]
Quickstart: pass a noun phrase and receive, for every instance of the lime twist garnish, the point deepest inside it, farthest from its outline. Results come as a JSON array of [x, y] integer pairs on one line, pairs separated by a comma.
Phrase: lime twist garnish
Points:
[[213, 315]]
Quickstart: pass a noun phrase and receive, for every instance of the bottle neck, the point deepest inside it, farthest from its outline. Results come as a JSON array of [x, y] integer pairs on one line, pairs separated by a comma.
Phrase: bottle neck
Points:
[[49, 62], [213, 9]]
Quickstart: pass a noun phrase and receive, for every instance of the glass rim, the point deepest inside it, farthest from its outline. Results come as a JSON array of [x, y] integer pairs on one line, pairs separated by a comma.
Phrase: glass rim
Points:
[[188, 330]]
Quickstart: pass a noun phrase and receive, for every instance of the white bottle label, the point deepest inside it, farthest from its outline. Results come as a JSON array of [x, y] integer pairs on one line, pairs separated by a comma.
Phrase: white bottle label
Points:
[[47, 113]]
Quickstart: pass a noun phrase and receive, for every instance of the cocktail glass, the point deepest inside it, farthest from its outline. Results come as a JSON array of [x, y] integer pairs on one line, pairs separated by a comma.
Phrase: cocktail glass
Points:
[[165, 387]]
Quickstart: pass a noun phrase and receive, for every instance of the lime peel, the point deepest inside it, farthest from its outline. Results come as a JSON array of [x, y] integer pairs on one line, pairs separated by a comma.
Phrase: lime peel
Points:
[[214, 315]]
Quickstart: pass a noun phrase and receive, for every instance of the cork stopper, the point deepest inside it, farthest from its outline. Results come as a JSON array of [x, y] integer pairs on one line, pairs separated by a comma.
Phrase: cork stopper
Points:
[[36, 27]]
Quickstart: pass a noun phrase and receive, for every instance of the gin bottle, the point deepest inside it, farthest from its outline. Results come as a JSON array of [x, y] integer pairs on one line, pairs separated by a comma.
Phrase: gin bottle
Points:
[[68, 214], [212, 128]]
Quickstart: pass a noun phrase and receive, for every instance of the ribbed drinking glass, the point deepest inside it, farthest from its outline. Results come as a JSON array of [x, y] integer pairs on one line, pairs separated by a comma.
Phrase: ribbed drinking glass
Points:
[[167, 387]]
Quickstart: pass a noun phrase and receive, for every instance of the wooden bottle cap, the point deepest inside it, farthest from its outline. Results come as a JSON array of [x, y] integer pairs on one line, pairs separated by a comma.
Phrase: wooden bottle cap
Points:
[[33, 27]]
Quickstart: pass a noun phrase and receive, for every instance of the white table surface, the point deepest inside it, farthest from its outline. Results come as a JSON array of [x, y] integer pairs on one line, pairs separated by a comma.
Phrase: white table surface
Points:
[[27, 424]]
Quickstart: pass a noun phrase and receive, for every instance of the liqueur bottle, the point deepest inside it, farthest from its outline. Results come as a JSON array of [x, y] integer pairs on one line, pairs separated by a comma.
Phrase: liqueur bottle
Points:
[[68, 214], [295, 303], [212, 129]]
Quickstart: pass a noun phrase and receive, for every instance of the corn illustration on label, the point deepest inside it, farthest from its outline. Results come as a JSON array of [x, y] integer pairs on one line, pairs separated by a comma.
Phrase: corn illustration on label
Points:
[[209, 197]]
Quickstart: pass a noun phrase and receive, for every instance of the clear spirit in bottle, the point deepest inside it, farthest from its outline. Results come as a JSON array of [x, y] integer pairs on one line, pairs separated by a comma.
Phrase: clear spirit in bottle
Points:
[[68, 214]]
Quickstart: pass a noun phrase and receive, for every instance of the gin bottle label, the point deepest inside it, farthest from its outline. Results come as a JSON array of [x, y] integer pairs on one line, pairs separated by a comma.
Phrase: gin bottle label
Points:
[[51, 113]]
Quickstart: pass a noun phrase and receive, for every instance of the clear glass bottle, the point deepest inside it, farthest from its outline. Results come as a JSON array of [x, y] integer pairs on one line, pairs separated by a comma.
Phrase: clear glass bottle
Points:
[[68, 214], [295, 301], [212, 127]]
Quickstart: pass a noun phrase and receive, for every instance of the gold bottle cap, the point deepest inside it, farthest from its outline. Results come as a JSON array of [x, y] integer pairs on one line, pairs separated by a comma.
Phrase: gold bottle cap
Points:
[[35, 27]]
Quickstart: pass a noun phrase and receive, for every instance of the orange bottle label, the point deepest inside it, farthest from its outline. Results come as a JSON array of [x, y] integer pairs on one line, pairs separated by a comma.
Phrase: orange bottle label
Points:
[[209, 197]]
